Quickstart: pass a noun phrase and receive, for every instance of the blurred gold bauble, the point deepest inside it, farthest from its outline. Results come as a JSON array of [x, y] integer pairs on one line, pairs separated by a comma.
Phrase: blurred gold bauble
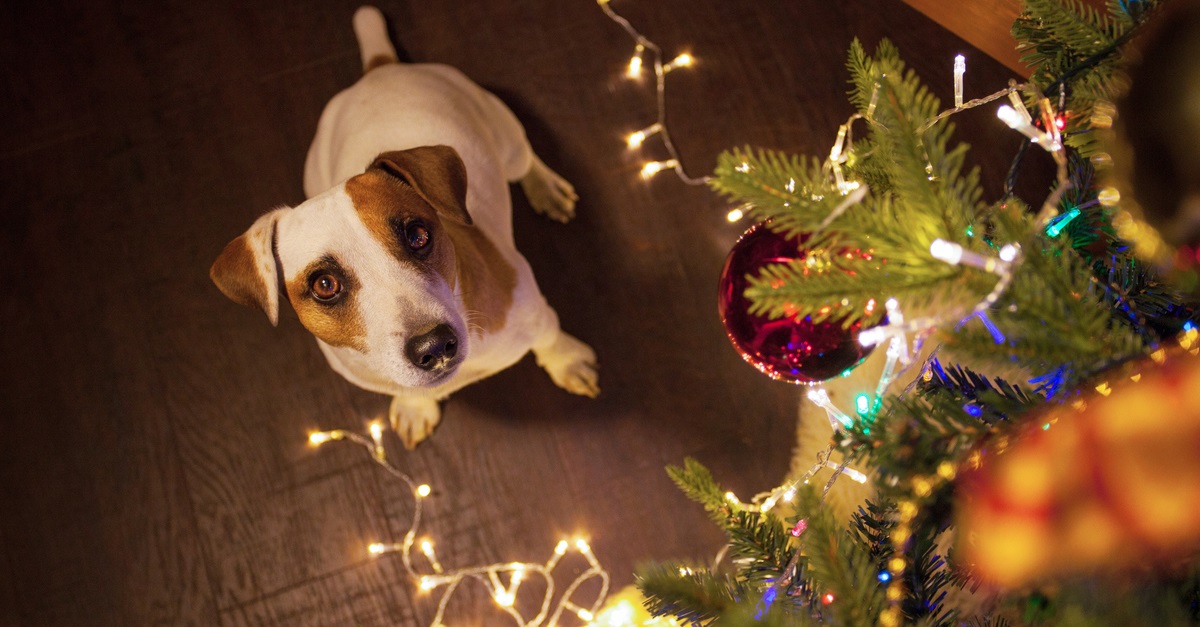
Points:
[[1106, 481]]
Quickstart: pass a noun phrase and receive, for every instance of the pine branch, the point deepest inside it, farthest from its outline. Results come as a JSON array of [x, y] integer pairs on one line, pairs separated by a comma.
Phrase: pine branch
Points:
[[769, 180], [698, 484], [872, 524], [761, 543], [927, 580], [841, 564], [695, 596], [995, 400]]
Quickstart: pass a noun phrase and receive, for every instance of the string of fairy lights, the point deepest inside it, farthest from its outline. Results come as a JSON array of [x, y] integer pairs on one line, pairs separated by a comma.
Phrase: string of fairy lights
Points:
[[501, 580], [643, 48]]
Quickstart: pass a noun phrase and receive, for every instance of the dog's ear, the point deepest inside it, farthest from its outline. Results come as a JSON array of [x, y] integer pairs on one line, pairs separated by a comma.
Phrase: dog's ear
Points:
[[436, 173], [246, 270]]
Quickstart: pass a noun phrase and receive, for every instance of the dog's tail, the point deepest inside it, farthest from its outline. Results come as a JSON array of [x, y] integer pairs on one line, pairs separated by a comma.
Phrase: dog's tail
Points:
[[370, 28]]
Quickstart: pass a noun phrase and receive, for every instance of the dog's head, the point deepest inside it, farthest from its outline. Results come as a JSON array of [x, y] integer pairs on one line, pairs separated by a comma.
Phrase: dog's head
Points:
[[368, 266]]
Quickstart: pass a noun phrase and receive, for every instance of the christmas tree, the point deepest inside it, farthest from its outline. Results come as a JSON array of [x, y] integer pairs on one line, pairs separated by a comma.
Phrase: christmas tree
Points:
[[992, 490]]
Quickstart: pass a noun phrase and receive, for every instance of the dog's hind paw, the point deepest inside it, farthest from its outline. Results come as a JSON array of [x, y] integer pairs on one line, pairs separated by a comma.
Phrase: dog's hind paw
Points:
[[413, 419], [571, 364], [550, 194]]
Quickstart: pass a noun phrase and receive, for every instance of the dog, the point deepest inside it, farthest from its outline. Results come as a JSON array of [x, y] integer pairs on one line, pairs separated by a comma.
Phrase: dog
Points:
[[401, 262]]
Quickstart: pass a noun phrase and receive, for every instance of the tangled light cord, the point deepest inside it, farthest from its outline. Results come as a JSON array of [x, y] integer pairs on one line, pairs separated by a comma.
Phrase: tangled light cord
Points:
[[492, 576]]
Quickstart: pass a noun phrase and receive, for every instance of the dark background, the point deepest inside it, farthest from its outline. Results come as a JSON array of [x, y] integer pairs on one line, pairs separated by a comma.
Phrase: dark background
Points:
[[153, 457]]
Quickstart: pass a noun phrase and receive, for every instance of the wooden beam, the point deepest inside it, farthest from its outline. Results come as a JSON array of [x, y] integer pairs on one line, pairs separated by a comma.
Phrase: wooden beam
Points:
[[984, 24]]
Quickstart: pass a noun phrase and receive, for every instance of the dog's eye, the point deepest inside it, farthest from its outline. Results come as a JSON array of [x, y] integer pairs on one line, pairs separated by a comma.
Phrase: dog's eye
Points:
[[326, 287], [416, 235]]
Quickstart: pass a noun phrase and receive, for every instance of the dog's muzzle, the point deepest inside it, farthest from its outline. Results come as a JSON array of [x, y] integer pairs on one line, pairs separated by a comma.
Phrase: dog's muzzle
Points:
[[433, 351]]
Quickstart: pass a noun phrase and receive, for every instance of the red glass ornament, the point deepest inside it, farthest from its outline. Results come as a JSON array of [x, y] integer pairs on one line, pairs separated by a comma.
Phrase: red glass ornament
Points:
[[791, 349]]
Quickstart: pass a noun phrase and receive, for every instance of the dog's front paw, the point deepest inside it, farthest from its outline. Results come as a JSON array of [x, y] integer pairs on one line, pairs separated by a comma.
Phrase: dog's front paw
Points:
[[550, 194], [413, 419], [571, 364]]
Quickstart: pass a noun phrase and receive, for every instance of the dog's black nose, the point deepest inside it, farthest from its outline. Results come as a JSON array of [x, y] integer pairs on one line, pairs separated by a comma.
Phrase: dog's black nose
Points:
[[433, 350]]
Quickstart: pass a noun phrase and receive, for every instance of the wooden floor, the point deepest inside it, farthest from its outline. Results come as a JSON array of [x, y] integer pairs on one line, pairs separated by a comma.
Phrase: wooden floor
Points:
[[153, 461]]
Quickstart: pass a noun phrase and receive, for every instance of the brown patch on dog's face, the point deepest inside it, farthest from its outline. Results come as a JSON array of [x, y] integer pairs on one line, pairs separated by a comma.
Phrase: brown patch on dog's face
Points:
[[324, 295], [456, 250], [400, 219]]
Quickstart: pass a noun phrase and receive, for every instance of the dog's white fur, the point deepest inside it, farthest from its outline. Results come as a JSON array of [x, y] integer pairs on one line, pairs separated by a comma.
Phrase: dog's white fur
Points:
[[396, 107]]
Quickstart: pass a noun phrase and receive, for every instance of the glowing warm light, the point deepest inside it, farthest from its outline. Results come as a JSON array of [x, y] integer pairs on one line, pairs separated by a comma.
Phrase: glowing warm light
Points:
[[636, 138], [376, 548], [561, 548], [789, 495], [1109, 196], [582, 545], [428, 583], [424, 490], [827, 598], [735, 214], [635, 63], [504, 599], [683, 60], [654, 167], [732, 498], [376, 429], [585, 615], [845, 187], [319, 437]]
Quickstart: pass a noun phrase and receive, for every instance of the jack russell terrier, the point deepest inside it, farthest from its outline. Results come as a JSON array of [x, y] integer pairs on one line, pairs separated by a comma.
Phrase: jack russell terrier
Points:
[[407, 273]]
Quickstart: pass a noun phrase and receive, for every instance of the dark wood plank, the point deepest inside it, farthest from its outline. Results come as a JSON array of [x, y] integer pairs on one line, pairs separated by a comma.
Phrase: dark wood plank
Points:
[[155, 468]]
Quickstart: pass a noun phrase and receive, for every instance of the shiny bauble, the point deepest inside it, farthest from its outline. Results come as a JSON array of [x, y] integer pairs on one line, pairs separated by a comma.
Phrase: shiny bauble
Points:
[[791, 349]]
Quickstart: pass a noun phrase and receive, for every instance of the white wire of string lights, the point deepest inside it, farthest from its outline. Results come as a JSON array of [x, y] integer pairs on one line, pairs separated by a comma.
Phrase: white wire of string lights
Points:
[[643, 49], [501, 580]]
